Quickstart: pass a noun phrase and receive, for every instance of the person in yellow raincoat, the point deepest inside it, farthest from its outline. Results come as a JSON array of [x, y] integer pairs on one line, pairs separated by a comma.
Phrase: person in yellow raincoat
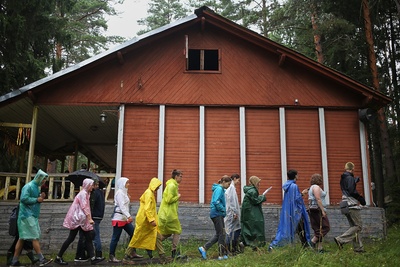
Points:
[[168, 220], [146, 229]]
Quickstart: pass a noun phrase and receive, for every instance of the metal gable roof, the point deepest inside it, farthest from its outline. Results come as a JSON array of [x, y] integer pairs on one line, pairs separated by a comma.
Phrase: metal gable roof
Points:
[[64, 129]]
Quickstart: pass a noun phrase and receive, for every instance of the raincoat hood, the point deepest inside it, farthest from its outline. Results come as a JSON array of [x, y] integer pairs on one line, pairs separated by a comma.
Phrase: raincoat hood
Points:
[[87, 183], [286, 185], [154, 183], [39, 177], [121, 184]]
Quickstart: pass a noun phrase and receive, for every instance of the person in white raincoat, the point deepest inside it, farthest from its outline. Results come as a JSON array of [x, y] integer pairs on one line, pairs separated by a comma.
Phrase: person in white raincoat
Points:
[[232, 218], [79, 218]]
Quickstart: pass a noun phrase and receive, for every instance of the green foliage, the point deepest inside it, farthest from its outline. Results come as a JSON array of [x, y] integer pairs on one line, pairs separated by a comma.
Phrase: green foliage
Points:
[[162, 12], [379, 252]]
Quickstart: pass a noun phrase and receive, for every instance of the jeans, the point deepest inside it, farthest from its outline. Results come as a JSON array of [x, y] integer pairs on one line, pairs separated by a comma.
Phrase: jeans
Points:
[[129, 229], [232, 240], [219, 236], [96, 240]]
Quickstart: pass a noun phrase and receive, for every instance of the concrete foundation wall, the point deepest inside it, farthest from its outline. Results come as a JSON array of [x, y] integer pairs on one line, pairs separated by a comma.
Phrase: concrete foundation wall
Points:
[[194, 219]]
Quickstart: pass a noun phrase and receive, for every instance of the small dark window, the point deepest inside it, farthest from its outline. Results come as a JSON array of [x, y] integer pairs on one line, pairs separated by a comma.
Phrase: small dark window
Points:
[[199, 59]]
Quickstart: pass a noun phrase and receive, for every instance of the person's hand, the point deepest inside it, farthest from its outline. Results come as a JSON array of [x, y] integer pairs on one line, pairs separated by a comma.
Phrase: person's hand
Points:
[[129, 220], [40, 199], [179, 195], [323, 213], [305, 191], [153, 223], [235, 216], [43, 195], [91, 221]]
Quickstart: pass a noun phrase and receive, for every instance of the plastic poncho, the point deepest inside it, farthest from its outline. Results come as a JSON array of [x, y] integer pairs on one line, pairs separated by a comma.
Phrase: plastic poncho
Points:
[[121, 201], [232, 209], [29, 207], [293, 209], [80, 208], [145, 235], [252, 217], [168, 220]]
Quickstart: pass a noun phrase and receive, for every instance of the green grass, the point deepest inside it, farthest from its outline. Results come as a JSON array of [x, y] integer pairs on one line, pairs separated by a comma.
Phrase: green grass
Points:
[[379, 252]]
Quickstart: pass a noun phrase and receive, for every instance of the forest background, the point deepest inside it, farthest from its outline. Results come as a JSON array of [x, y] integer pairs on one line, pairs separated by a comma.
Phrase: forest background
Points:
[[359, 38]]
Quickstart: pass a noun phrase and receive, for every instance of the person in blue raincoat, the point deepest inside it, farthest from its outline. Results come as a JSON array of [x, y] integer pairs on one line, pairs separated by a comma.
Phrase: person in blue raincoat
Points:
[[293, 218], [28, 218]]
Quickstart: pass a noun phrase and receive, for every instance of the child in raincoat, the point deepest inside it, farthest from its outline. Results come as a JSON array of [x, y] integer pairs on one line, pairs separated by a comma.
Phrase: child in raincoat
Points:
[[121, 218], [146, 233], [217, 214], [168, 220], [28, 218], [79, 218]]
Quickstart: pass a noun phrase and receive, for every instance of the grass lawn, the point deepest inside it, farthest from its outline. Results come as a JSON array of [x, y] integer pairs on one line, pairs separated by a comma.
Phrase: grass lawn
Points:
[[382, 252]]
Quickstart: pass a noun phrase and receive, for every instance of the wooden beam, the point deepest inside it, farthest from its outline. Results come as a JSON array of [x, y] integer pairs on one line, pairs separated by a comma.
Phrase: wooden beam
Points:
[[203, 24], [16, 125]]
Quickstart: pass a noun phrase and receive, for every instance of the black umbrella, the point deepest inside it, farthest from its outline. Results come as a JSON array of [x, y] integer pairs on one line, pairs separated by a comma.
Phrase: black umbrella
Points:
[[77, 178]]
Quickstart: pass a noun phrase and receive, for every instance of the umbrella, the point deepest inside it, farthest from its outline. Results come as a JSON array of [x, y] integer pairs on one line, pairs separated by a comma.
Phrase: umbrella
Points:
[[77, 178]]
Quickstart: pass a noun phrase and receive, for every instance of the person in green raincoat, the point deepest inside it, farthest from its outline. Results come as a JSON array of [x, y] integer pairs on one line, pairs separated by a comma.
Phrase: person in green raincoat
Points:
[[146, 229], [252, 217], [168, 220], [28, 218]]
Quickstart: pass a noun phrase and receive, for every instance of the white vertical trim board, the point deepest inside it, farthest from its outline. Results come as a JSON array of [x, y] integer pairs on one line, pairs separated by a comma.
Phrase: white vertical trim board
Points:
[[201, 154], [324, 154], [364, 163], [282, 131], [161, 144], [120, 142], [243, 178]]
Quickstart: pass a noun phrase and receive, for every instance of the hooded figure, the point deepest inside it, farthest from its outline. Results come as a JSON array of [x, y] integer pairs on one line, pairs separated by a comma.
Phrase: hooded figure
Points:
[[80, 208], [145, 235], [293, 215], [29, 208], [168, 213], [252, 217], [121, 201]]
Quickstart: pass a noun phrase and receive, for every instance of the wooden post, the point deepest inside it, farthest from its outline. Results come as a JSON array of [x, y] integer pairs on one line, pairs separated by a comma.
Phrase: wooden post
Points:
[[31, 152]]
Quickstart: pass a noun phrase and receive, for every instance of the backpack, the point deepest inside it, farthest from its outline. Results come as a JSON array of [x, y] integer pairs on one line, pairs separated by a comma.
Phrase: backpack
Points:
[[12, 222]]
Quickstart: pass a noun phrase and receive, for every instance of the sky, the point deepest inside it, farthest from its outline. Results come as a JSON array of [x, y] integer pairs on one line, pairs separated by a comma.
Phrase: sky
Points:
[[125, 23]]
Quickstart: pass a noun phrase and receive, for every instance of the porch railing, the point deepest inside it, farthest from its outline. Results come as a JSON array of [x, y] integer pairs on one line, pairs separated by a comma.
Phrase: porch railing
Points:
[[58, 188]]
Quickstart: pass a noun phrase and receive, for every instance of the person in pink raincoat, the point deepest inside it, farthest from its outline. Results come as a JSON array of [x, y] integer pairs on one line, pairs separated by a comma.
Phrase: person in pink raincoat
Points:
[[79, 218]]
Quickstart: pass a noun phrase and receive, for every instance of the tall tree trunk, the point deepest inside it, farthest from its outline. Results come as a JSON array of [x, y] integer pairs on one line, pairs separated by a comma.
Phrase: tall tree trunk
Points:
[[384, 136], [317, 36]]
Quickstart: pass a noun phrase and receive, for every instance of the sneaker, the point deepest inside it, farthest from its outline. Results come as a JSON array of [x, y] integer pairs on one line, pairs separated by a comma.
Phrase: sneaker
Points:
[[81, 259], [225, 257], [270, 249], [113, 259], [44, 262], [96, 260], [340, 246], [203, 252], [220, 258], [60, 261]]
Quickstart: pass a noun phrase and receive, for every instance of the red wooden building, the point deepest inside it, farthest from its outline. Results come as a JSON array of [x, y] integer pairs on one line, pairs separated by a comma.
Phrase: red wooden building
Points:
[[206, 96]]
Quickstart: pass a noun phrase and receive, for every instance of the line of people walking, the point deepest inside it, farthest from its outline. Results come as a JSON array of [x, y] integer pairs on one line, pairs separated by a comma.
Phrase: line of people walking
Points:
[[235, 226]]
